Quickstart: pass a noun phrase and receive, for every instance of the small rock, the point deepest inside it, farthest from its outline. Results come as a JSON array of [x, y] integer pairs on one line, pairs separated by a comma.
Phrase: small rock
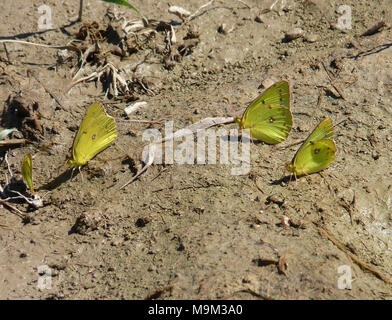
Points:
[[321, 207], [311, 38], [259, 19], [142, 222], [63, 55], [285, 220], [274, 199], [223, 28], [375, 155], [294, 34], [266, 83]]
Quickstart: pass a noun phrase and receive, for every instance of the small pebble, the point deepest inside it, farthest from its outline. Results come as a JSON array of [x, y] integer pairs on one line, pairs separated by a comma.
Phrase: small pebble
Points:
[[275, 199], [62, 55], [375, 155], [259, 19], [223, 28], [285, 221], [294, 34], [311, 38], [266, 83]]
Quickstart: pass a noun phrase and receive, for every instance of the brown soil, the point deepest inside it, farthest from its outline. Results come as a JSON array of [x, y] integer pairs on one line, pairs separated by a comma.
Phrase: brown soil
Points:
[[197, 231]]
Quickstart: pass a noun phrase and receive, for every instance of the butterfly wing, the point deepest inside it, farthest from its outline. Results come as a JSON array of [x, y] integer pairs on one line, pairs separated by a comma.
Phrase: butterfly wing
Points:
[[269, 117], [315, 157], [96, 133], [27, 171], [278, 93], [268, 123], [323, 131]]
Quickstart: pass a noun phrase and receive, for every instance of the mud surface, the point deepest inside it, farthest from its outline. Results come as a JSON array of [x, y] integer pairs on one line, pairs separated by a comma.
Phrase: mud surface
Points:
[[196, 231]]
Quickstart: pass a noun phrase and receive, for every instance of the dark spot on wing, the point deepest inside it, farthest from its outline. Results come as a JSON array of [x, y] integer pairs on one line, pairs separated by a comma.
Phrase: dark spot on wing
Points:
[[271, 119], [316, 151], [263, 101], [94, 136]]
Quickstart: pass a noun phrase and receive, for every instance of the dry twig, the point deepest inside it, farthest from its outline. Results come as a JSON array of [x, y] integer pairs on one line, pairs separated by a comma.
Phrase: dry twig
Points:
[[13, 142], [332, 82], [13, 209], [364, 266], [374, 29]]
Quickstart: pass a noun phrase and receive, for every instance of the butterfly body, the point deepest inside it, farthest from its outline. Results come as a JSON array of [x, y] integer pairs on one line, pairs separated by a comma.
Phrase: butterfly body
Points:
[[269, 116], [316, 153], [96, 133]]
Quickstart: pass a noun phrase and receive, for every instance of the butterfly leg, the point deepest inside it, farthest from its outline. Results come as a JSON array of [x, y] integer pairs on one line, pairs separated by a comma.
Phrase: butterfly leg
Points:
[[250, 136], [80, 171], [73, 169]]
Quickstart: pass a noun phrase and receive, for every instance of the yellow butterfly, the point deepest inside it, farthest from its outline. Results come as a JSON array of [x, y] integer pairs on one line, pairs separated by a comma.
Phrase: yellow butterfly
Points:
[[27, 171], [269, 116], [316, 153], [96, 133]]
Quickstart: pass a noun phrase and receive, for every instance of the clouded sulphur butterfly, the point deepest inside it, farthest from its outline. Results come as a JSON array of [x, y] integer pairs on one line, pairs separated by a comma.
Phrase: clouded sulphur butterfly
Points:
[[269, 117], [316, 153], [27, 171], [96, 133]]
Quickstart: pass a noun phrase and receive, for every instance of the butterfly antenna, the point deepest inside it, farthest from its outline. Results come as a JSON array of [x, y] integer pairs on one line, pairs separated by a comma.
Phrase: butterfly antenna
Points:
[[340, 122]]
